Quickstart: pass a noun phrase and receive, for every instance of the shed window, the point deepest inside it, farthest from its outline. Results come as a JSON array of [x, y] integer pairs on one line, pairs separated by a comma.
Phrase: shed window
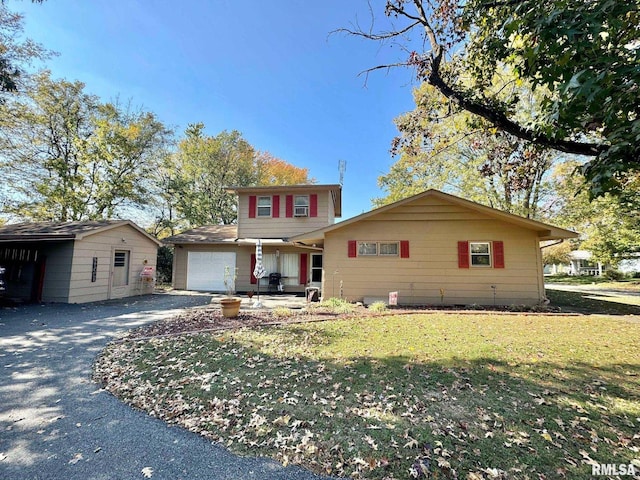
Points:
[[120, 259], [94, 270], [480, 254], [264, 206]]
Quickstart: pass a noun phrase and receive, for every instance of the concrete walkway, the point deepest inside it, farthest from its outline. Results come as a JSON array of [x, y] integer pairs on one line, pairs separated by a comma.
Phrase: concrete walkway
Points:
[[55, 423]]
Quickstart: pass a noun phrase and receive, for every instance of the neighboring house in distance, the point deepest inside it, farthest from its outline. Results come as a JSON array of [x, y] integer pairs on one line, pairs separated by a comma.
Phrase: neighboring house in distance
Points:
[[581, 262], [76, 262], [431, 248], [271, 214]]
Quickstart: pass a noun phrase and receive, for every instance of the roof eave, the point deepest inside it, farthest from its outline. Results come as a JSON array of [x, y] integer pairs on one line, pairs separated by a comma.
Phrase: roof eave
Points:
[[35, 238], [546, 232]]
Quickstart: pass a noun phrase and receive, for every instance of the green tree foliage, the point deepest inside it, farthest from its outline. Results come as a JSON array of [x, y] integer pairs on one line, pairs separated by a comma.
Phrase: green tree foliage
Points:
[[609, 225], [15, 53], [557, 254], [193, 183], [467, 156], [580, 57], [204, 168], [67, 156]]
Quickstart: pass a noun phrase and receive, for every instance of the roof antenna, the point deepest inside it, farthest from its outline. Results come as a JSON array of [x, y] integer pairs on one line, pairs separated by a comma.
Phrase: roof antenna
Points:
[[342, 167]]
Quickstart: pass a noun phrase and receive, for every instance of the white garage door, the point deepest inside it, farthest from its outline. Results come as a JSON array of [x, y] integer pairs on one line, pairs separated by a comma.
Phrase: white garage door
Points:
[[205, 270]]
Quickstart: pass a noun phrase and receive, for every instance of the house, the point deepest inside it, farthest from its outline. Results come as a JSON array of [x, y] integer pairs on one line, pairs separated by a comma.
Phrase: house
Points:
[[76, 262], [581, 262], [271, 214], [431, 248]]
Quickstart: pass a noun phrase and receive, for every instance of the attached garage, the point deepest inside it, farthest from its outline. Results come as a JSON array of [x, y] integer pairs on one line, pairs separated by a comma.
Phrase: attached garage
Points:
[[206, 270], [202, 254]]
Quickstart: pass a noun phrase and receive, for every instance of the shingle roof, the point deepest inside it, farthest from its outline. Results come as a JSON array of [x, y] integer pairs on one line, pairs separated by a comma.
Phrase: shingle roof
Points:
[[31, 231], [545, 231], [52, 230], [206, 234]]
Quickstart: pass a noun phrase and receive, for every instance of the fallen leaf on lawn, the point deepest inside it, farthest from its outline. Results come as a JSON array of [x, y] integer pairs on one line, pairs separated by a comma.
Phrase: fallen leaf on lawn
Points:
[[413, 443], [546, 436], [371, 442], [282, 421], [147, 472]]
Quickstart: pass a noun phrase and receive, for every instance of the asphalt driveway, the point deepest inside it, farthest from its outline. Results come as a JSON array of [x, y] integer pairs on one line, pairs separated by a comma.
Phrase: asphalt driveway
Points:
[[55, 423]]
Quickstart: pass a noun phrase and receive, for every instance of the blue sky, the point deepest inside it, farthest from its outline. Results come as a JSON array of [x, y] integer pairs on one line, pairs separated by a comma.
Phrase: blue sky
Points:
[[269, 69]]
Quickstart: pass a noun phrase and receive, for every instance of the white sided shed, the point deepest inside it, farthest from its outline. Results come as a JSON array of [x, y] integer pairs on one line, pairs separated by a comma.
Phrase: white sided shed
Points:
[[76, 262]]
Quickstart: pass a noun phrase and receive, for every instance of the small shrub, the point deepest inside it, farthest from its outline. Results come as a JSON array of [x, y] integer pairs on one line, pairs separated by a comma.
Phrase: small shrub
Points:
[[282, 312], [615, 275], [337, 305], [378, 307]]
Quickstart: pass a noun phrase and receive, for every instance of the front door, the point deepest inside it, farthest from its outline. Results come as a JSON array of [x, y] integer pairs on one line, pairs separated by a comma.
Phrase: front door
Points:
[[316, 270]]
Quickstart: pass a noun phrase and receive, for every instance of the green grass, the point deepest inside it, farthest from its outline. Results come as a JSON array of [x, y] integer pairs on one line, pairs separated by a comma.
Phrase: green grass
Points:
[[594, 302], [415, 396], [631, 284]]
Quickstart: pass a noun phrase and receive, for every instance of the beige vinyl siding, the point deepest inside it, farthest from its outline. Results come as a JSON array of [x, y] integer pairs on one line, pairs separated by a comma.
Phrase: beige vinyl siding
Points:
[[102, 246], [283, 227], [57, 273], [433, 229]]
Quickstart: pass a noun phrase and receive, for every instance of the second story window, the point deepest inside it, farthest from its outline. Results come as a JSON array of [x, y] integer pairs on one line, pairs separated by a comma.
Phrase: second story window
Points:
[[264, 206], [301, 206]]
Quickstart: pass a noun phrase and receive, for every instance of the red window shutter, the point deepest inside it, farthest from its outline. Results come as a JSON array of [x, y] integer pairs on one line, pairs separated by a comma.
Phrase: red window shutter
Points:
[[303, 268], [252, 206], [253, 266], [498, 254], [289, 206], [313, 205], [352, 248], [404, 249], [463, 254], [275, 206]]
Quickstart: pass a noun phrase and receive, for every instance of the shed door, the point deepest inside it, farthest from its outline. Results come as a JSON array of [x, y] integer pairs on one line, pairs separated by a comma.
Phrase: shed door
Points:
[[120, 274], [120, 268], [205, 270]]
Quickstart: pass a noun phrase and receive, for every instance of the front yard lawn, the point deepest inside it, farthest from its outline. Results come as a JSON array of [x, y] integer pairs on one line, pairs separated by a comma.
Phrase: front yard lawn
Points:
[[407, 396]]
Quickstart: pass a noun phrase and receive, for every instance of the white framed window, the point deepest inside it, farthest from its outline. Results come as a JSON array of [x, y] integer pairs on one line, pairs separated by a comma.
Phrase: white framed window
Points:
[[380, 249], [480, 253], [389, 249], [301, 206], [264, 206], [367, 249]]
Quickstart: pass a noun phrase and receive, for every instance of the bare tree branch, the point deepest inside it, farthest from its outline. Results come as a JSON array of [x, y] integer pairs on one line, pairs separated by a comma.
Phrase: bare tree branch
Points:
[[375, 36], [429, 68]]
